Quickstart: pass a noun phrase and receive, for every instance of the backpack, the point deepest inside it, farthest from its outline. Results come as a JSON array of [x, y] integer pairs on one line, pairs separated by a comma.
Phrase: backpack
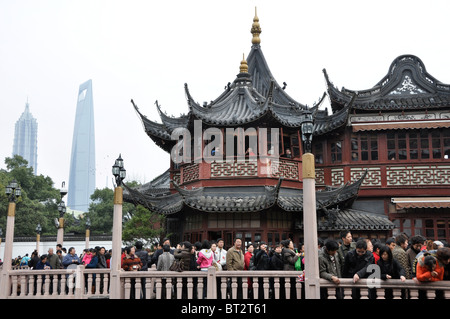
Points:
[[252, 264]]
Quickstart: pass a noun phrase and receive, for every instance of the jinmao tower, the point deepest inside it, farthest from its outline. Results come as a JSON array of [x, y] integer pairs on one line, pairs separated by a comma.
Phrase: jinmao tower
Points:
[[25, 138], [82, 162]]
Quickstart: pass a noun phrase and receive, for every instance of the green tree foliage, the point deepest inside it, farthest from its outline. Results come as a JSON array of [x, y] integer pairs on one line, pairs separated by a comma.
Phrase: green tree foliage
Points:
[[38, 202], [101, 211], [144, 225]]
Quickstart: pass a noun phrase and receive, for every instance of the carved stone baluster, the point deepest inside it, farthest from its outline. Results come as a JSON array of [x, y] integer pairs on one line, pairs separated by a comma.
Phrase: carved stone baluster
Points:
[[331, 292], [89, 284], [298, 286], [255, 286], [397, 293], [55, 283], [168, 287], [276, 287], [266, 288], [223, 287], [179, 286], [14, 282], [364, 293], [137, 288], [127, 288], [414, 294], [287, 287], [347, 293], [200, 288], [39, 285], [63, 285], [234, 286], [97, 284], [190, 288], [23, 285], [244, 288], [47, 284], [158, 288]]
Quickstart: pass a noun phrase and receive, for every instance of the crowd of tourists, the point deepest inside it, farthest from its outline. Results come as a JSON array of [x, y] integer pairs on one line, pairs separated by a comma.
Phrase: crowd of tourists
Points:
[[97, 257], [402, 257]]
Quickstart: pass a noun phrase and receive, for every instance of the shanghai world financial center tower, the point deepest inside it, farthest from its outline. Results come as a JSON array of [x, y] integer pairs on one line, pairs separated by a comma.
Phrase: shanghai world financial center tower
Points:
[[25, 138], [82, 162]]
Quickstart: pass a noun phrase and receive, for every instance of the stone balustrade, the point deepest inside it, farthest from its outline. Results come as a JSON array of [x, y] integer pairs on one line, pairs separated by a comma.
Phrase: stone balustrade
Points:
[[84, 283]]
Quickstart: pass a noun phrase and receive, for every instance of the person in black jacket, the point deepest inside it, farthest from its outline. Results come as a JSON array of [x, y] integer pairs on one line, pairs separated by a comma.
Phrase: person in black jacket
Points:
[[355, 265], [34, 259], [276, 263], [262, 262], [144, 257], [390, 268], [142, 254], [276, 259]]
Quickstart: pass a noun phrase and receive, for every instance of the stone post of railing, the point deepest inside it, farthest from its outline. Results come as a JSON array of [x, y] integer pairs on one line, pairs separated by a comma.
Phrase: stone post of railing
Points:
[[5, 280], [79, 282], [211, 292], [116, 267]]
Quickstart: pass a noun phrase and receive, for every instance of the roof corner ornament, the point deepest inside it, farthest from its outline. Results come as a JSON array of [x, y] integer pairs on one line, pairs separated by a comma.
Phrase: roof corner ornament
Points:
[[256, 30], [244, 66]]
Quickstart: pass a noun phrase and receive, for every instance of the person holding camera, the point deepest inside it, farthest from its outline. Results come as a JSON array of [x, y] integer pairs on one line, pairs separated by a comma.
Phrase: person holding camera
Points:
[[131, 262], [262, 262]]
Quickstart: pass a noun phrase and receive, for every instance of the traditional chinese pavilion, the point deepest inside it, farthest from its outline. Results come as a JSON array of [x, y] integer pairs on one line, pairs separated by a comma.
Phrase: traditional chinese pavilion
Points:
[[249, 196]]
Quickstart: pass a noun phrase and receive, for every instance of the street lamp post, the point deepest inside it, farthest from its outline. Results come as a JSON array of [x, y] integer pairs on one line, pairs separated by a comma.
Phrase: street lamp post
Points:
[[38, 237], [119, 173], [13, 192], [1, 235], [312, 288], [88, 227], [62, 211]]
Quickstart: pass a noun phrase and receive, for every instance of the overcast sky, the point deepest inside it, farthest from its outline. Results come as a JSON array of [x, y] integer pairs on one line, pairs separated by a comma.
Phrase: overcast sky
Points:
[[146, 51]]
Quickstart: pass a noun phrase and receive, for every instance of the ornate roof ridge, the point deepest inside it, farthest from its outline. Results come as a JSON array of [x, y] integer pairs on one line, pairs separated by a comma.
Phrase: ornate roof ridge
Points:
[[407, 85]]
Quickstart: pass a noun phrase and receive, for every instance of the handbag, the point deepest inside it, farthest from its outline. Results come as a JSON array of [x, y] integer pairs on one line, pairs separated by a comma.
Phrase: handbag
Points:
[[177, 265], [298, 264], [217, 265]]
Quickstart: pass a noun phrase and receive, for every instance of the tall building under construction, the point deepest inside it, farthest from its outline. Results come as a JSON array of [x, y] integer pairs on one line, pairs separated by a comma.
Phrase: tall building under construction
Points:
[[82, 162]]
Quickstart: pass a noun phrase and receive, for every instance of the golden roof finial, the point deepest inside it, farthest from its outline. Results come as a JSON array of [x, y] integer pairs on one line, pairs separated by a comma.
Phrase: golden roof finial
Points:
[[256, 30], [244, 66]]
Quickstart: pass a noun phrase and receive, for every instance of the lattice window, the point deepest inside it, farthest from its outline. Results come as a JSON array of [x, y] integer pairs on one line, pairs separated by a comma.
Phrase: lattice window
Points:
[[418, 144], [336, 152], [364, 148]]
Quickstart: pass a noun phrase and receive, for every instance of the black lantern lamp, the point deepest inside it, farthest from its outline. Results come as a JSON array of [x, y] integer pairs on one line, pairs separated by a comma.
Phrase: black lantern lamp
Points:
[[307, 131], [13, 191], [88, 222], [61, 209], [38, 229], [119, 171]]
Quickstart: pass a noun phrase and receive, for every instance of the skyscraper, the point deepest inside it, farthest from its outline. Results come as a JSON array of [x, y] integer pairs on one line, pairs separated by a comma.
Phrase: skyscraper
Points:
[[25, 138], [82, 162]]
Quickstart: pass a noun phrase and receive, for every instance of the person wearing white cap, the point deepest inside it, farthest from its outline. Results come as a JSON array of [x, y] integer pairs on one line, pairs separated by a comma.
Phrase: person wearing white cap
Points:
[[438, 243]]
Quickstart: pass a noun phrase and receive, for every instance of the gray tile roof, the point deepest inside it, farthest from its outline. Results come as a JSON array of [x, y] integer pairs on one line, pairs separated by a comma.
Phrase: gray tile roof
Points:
[[337, 200], [249, 98]]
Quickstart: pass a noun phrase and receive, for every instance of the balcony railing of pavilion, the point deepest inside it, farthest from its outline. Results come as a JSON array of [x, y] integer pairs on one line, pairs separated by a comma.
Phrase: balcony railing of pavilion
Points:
[[287, 168]]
